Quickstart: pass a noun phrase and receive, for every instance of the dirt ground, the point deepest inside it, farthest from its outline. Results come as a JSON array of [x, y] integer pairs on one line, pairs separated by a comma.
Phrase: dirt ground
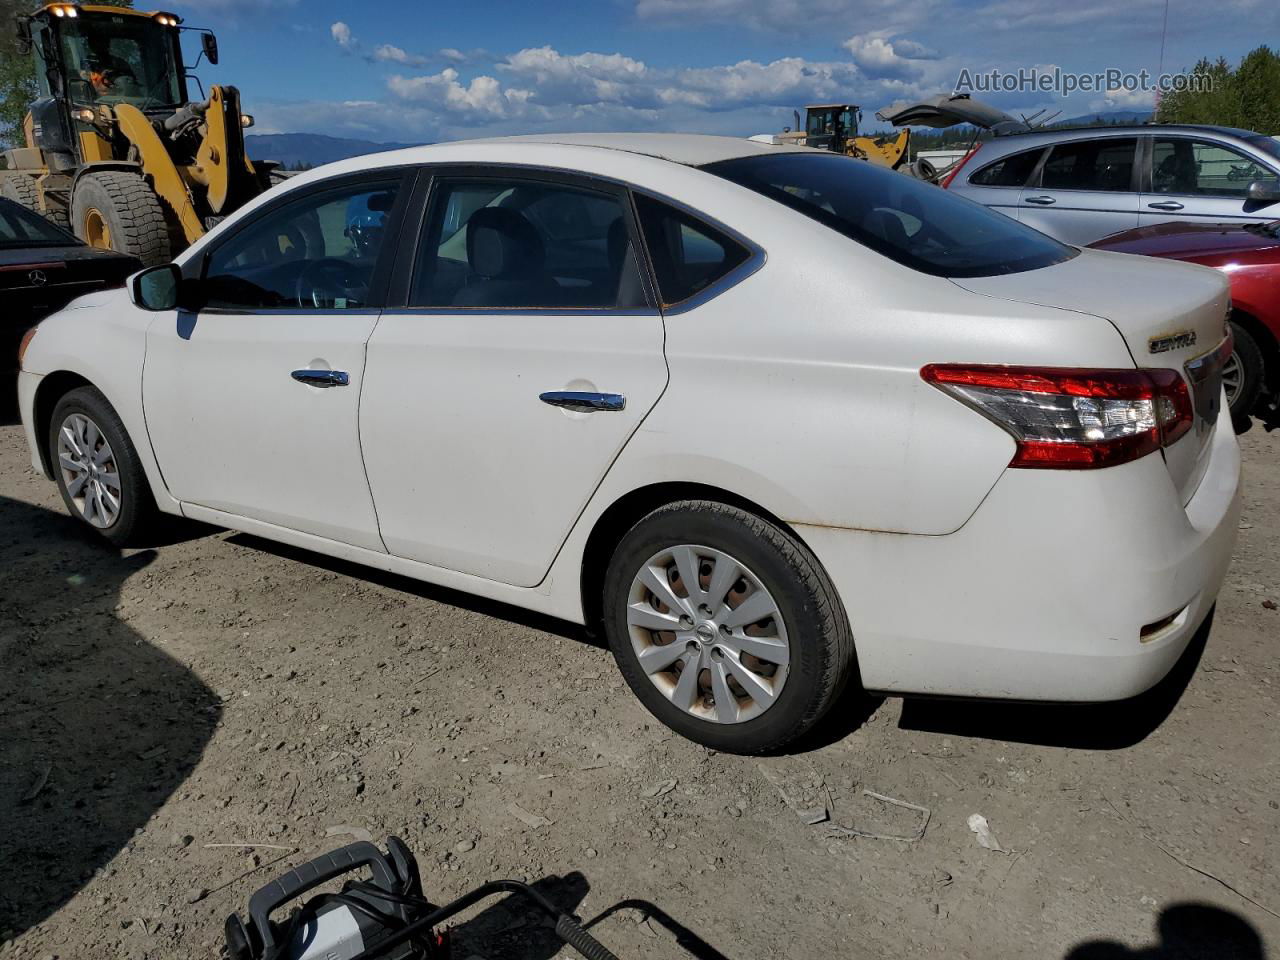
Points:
[[161, 710]]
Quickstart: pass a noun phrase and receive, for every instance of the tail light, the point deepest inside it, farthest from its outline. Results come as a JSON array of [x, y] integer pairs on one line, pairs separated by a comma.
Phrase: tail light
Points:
[[951, 174], [1068, 418]]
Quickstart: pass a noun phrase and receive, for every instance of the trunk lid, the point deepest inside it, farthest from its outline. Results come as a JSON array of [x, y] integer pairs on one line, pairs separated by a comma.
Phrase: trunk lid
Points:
[[1171, 316]]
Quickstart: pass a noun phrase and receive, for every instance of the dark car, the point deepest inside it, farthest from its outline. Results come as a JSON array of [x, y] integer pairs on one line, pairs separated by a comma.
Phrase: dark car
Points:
[[1249, 254], [42, 269]]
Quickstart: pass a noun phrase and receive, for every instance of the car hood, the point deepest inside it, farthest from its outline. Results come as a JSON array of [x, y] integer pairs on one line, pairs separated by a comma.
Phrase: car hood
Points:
[[950, 109], [1191, 241]]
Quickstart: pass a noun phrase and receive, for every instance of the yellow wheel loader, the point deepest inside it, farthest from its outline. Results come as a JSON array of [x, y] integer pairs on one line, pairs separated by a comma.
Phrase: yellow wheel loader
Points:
[[834, 126], [115, 148]]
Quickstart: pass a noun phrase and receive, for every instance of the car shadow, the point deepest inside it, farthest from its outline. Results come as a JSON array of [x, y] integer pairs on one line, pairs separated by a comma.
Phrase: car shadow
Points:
[[1187, 931], [8, 398], [427, 591], [1101, 726], [97, 726]]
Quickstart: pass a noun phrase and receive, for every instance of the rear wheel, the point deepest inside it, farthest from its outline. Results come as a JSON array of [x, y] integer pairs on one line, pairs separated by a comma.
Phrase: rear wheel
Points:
[[97, 468], [20, 188], [725, 626], [118, 210], [1243, 374]]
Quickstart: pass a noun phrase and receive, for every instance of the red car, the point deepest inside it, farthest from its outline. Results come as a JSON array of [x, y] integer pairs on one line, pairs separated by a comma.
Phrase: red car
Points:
[[1249, 254]]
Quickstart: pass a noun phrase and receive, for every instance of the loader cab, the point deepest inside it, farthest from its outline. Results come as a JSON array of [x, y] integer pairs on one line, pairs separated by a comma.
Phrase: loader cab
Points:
[[830, 126], [91, 58]]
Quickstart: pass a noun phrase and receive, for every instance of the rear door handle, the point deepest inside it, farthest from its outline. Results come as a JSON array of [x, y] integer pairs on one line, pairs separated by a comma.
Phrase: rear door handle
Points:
[[1041, 201], [1169, 205], [322, 378], [584, 402]]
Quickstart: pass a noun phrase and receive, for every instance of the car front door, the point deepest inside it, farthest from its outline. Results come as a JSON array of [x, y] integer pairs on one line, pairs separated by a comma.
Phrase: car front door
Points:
[[1085, 190], [1199, 180], [526, 353], [252, 399]]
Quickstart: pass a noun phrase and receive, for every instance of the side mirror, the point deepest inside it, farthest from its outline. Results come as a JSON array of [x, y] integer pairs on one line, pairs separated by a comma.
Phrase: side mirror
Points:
[[1264, 191], [156, 288], [210, 44]]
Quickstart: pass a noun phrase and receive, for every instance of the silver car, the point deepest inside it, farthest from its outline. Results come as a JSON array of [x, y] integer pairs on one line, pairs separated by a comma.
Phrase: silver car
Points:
[[1084, 184]]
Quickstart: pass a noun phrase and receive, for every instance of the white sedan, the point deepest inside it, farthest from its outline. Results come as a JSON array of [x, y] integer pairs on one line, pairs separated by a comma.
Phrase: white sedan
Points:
[[778, 419]]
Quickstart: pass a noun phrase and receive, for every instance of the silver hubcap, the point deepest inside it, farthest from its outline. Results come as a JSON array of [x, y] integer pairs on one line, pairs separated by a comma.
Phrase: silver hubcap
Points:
[[89, 470], [1232, 377], [708, 634]]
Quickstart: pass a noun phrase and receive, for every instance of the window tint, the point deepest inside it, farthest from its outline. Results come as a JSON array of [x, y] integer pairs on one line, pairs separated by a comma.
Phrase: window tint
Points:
[[1011, 171], [688, 255], [910, 221], [525, 243], [1090, 165], [318, 253], [1199, 168]]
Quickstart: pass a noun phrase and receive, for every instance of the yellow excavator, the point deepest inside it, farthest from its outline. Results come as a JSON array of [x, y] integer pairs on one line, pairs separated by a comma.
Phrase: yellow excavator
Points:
[[115, 148], [834, 126]]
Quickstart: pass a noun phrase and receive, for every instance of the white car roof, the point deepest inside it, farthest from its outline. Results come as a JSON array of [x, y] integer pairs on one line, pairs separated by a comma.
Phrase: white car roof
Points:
[[692, 149]]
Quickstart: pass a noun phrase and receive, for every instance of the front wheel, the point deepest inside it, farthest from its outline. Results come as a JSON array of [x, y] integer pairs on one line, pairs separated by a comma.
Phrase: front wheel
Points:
[[725, 626], [97, 468]]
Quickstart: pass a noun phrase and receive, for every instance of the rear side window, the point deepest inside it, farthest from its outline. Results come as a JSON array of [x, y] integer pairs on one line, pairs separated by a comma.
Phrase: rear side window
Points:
[[1091, 165], [915, 223], [521, 243], [1011, 171], [688, 255]]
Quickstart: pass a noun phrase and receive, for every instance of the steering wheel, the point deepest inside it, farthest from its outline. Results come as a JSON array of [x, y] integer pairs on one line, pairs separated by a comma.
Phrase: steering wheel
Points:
[[322, 283]]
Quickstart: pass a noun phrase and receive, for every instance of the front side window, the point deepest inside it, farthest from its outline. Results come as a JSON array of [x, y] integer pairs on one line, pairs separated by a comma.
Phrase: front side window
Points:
[[688, 255], [317, 253], [913, 222], [1091, 165], [1203, 169], [1011, 171], [511, 243]]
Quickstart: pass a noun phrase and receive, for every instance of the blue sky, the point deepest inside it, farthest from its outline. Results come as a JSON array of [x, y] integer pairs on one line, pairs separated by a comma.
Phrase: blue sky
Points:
[[420, 70]]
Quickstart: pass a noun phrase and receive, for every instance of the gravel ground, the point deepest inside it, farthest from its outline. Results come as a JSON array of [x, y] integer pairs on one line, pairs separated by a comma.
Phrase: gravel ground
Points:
[[162, 710]]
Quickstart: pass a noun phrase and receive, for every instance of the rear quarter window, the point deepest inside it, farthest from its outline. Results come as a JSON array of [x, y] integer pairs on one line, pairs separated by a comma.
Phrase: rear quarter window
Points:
[[1011, 171], [689, 256]]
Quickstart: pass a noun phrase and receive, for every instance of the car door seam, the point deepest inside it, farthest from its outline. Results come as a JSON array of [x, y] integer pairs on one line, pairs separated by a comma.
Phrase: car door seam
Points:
[[364, 464]]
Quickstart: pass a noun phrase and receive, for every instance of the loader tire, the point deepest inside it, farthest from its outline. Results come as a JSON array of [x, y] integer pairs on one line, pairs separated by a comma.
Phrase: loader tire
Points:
[[118, 210]]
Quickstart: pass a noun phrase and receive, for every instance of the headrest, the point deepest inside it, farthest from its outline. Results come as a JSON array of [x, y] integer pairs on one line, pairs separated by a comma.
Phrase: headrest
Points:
[[501, 242]]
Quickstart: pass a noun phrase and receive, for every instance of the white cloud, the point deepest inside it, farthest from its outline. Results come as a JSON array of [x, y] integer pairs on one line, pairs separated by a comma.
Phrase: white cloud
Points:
[[879, 55], [387, 53], [342, 34]]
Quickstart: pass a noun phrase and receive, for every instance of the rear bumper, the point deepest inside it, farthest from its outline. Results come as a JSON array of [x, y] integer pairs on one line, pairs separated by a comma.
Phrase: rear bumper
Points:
[[1044, 593], [27, 384]]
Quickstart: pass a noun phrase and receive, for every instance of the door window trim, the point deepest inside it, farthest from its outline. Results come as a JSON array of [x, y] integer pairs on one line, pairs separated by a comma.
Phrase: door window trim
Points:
[[1149, 163], [401, 176], [1036, 180]]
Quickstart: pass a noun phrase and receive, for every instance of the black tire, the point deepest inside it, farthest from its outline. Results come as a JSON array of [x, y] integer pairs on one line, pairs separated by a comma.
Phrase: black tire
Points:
[[138, 516], [20, 188], [1253, 373], [126, 205], [820, 641]]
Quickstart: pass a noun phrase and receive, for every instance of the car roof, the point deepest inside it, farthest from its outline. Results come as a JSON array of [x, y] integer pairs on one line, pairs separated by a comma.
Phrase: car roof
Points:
[[1153, 129], [691, 149]]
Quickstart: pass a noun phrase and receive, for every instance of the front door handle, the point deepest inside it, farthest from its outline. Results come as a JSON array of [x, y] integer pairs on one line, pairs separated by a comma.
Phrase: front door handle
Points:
[[1041, 201], [584, 402], [322, 378], [1169, 205]]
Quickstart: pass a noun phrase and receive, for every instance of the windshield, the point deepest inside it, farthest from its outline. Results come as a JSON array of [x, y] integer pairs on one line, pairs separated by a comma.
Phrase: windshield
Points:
[[1268, 145], [19, 227], [913, 222], [115, 58]]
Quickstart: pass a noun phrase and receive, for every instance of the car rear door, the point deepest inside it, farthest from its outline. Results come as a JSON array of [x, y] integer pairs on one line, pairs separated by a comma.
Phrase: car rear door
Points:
[[252, 401], [524, 353], [1085, 190], [1199, 180], [998, 183]]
